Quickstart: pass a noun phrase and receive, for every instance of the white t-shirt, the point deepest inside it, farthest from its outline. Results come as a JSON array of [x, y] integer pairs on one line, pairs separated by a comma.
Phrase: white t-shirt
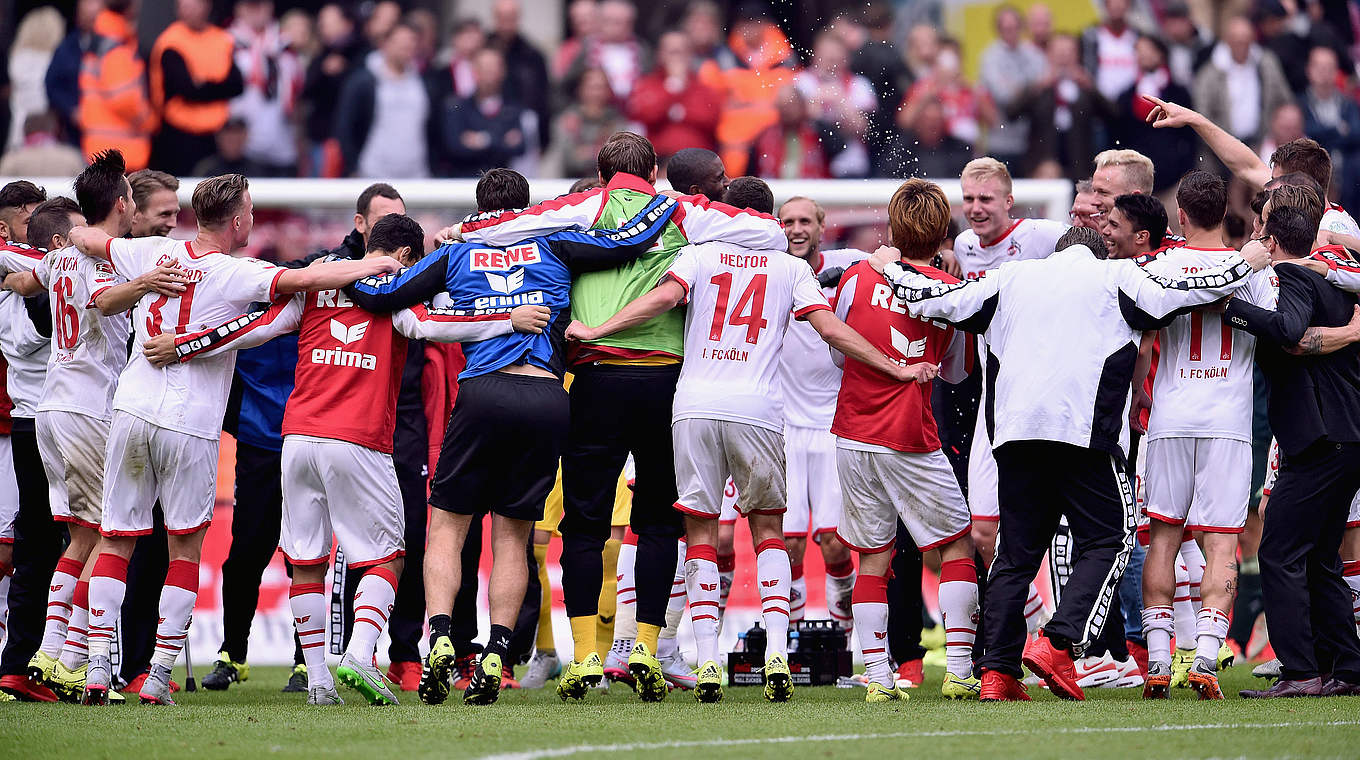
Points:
[[741, 301], [809, 380], [1335, 219], [189, 398], [1116, 61], [1026, 239], [1203, 385], [24, 348], [89, 350]]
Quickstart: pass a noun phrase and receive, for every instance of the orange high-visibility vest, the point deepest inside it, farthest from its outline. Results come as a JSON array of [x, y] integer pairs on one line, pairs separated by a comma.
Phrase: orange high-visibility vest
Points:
[[208, 56], [113, 111]]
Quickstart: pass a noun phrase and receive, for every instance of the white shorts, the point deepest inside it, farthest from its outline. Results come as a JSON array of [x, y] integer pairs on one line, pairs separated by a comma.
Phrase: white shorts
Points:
[[9, 491], [344, 489], [1273, 471], [881, 486], [707, 451], [814, 487], [983, 482], [1201, 483], [728, 513], [72, 446], [145, 463]]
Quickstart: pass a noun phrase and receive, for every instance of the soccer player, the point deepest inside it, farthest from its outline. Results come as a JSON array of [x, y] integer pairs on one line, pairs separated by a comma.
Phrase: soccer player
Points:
[[728, 418], [1198, 471], [155, 195], [697, 171], [510, 420], [889, 455], [992, 239], [338, 475], [1134, 226], [809, 381], [622, 393], [166, 422], [1065, 335]]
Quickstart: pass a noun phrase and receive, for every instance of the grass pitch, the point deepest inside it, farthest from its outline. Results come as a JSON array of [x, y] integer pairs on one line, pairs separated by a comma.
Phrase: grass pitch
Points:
[[254, 720]]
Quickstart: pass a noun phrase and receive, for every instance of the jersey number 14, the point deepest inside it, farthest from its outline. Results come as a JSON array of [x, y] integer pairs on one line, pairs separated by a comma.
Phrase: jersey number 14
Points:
[[749, 312]]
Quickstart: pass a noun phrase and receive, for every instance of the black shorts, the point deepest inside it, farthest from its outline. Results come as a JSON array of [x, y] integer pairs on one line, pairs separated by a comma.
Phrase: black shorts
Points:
[[502, 446]]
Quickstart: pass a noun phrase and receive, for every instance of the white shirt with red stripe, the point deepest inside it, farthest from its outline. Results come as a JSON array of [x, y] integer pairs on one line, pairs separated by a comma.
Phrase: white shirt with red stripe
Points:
[[89, 350], [1342, 270], [187, 398], [346, 356], [25, 349], [741, 301], [874, 412], [1335, 219], [808, 378], [1024, 239], [1203, 385]]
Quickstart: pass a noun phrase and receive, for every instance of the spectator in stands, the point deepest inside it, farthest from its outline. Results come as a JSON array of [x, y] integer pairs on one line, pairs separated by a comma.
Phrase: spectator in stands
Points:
[[583, 22], [381, 20], [298, 31], [62, 80], [342, 49], [703, 24], [427, 36], [273, 78], [1286, 125], [674, 107], [1107, 50], [1188, 46], [41, 154], [616, 49], [1241, 83], [879, 61], [923, 46], [968, 111], [485, 130], [1039, 26], [38, 35], [193, 79], [928, 150], [1172, 150], [230, 156], [1064, 109], [582, 128], [791, 148], [114, 111], [1010, 66], [764, 66], [387, 141], [451, 80], [1333, 119], [837, 96], [526, 71]]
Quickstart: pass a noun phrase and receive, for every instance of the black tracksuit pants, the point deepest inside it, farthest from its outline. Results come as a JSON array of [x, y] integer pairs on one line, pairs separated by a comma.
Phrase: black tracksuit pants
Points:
[[38, 542], [1039, 482], [1307, 602]]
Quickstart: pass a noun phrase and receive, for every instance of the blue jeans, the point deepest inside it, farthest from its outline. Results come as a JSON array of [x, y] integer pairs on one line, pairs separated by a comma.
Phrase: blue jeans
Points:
[[1131, 595]]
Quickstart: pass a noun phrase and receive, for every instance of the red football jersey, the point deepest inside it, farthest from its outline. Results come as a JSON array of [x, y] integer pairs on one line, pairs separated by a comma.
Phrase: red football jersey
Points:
[[873, 408]]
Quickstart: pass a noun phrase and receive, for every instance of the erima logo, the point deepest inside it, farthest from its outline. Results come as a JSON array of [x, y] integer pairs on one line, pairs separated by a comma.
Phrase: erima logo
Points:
[[301, 620], [908, 348], [708, 586], [880, 635], [56, 587], [770, 583], [506, 284], [348, 334], [96, 612]]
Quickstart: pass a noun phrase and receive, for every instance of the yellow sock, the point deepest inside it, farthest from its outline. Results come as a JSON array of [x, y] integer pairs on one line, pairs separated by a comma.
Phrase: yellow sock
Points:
[[647, 634], [609, 596], [583, 637], [544, 641]]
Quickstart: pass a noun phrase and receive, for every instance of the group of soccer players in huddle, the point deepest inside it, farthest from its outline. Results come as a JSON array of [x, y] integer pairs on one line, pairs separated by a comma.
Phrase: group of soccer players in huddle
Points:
[[792, 378]]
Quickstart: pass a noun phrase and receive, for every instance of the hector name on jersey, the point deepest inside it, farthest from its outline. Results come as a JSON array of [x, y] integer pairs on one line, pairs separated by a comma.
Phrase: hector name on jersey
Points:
[[483, 281], [876, 409]]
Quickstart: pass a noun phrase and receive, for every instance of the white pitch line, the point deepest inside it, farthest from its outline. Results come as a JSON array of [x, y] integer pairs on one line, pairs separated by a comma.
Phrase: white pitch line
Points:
[[535, 754]]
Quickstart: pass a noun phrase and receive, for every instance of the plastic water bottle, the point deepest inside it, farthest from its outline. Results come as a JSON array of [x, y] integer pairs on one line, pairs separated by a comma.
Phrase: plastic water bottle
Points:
[[793, 640], [741, 641]]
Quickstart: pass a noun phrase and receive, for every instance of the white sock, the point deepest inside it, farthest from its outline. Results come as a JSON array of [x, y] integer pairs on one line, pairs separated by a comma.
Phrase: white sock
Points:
[[176, 611], [625, 611], [108, 585], [959, 608], [1194, 567], [373, 599], [870, 609], [1034, 610], [840, 586], [701, 582], [76, 649], [1211, 630], [797, 591], [772, 572], [1350, 572], [1184, 610], [59, 595], [1157, 627], [308, 603]]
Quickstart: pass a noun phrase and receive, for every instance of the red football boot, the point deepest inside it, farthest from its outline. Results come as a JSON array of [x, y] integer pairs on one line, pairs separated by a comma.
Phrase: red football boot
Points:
[[1001, 687], [1054, 666]]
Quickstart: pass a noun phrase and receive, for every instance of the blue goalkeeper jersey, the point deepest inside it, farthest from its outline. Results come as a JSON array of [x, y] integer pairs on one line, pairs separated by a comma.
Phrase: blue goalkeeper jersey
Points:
[[488, 283]]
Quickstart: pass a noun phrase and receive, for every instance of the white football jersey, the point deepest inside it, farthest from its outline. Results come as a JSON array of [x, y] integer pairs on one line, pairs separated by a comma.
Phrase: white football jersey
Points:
[[89, 350], [24, 348], [1335, 219], [741, 301], [808, 379], [1026, 239], [1203, 385], [191, 397]]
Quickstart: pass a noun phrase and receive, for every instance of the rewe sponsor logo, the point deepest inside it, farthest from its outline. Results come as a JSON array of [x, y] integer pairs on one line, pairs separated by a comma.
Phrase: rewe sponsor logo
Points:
[[495, 260]]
